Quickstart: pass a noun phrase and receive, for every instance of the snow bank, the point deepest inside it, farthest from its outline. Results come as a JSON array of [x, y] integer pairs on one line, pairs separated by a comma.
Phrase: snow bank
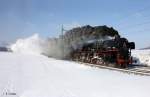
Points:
[[142, 56]]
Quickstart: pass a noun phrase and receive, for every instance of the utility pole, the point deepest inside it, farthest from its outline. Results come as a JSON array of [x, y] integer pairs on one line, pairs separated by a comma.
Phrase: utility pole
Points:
[[62, 33], [63, 40]]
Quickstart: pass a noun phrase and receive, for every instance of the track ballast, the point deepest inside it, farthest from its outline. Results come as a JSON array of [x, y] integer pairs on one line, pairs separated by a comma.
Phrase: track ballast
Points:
[[137, 70]]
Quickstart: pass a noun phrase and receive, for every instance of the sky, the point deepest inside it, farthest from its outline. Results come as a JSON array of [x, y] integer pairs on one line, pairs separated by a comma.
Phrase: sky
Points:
[[23, 18]]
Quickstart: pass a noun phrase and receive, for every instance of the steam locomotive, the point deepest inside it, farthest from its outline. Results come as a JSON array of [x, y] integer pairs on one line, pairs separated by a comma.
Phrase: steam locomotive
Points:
[[114, 52]]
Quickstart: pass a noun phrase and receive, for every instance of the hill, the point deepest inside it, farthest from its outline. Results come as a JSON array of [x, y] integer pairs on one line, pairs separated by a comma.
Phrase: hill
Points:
[[146, 48]]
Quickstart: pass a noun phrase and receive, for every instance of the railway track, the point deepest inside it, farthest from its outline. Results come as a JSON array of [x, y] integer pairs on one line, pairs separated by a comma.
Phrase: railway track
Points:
[[137, 70]]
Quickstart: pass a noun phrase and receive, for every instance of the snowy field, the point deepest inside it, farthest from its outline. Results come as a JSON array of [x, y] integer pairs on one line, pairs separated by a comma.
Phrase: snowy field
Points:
[[39, 76], [27, 73]]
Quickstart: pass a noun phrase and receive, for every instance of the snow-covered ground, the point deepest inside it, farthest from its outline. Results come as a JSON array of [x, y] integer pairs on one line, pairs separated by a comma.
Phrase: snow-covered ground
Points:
[[143, 56], [26, 73], [39, 76]]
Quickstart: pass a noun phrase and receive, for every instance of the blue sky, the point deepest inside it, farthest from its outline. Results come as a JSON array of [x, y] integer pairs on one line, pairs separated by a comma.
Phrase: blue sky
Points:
[[22, 18]]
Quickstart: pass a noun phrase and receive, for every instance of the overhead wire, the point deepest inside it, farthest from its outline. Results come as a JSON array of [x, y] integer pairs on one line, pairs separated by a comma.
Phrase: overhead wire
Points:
[[129, 16], [130, 27]]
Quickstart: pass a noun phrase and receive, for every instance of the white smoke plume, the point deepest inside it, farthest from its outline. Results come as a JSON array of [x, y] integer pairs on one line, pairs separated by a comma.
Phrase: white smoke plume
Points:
[[30, 45], [36, 45]]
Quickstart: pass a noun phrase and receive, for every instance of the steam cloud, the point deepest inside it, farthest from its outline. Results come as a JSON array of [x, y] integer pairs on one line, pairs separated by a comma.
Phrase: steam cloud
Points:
[[37, 45], [30, 45]]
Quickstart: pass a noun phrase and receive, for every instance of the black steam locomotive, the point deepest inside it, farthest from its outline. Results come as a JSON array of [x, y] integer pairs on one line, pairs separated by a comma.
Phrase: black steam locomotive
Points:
[[114, 52]]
